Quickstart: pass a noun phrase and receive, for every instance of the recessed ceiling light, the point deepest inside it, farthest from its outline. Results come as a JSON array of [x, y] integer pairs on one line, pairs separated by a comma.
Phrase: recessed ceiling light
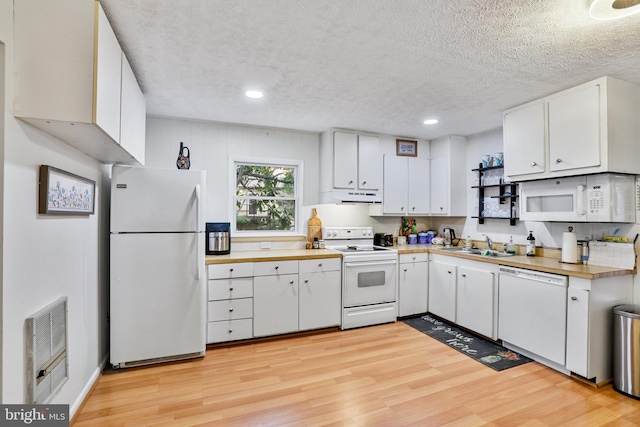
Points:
[[430, 122], [604, 10], [254, 94]]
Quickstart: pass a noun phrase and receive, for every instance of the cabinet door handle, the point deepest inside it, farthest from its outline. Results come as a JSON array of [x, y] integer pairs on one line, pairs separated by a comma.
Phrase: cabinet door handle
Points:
[[401, 208], [464, 275], [449, 271], [230, 331], [291, 282], [574, 298], [364, 182], [533, 163], [230, 309], [351, 182], [441, 208], [305, 281], [405, 270], [413, 208], [230, 289], [558, 160]]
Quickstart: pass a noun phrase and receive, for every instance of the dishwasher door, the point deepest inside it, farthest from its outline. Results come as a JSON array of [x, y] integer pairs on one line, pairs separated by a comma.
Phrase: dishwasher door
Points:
[[532, 312]]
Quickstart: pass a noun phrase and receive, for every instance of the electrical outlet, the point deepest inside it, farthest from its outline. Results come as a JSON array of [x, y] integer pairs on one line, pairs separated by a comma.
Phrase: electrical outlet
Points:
[[265, 245]]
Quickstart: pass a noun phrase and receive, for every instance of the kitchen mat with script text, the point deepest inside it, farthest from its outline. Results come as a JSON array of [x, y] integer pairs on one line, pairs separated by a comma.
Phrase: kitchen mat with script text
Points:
[[487, 352]]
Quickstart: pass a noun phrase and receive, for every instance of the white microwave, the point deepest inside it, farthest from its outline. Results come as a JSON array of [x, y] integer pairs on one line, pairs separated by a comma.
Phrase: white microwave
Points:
[[603, 197]]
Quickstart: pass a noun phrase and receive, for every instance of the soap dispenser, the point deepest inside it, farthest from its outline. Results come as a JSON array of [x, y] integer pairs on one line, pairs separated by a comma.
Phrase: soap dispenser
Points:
[[511, 248]]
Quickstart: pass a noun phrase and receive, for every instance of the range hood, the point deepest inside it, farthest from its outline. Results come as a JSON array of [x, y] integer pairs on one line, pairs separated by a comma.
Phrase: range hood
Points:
[[350, 196]]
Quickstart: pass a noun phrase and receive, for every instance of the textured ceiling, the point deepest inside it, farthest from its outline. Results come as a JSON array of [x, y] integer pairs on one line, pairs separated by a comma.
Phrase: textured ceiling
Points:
[[375, 65]]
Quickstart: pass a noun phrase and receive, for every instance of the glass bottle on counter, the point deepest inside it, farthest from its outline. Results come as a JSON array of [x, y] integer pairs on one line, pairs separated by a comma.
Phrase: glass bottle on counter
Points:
[[511, 248], [531, 244]]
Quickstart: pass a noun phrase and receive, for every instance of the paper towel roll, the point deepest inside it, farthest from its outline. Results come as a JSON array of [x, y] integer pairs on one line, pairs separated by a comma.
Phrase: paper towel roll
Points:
[[569, 247]]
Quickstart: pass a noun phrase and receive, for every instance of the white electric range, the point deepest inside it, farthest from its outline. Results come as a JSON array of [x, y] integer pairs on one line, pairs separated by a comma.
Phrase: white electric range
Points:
[[369, 276]]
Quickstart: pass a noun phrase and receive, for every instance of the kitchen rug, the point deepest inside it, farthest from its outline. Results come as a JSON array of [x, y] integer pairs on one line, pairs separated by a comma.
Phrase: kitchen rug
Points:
[[489, 353]]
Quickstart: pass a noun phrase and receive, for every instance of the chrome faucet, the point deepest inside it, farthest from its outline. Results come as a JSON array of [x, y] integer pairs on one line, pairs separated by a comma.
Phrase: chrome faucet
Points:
[[489, 241]]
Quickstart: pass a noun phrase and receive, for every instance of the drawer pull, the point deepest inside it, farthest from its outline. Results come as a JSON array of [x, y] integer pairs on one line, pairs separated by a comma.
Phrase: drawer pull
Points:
[[558, 160], [231, 270], [414, 258], [277, 267], [405, 270], [320, 265], [230, 331], [231, 309], [449, 271], [306, 281], [230, 289], [291, 282], [574, 298]]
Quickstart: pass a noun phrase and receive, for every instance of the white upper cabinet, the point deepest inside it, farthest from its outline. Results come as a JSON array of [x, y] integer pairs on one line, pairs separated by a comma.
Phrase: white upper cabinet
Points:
[[351, 167], [69, 79], [133, 114], [406, 185], [369, 163], [448, 181], [525, 140], [345, 159], [591, 128]]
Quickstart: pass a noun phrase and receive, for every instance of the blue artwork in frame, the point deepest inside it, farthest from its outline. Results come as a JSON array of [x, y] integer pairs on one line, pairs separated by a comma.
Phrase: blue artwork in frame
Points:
[[64, 193]]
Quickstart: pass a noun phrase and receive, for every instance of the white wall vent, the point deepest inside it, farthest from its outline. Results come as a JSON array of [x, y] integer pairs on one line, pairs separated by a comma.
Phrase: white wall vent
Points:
[[46, 352]]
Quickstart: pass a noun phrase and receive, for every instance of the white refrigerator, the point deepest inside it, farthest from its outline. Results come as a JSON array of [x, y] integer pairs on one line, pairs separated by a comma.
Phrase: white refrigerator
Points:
[[158, 282]]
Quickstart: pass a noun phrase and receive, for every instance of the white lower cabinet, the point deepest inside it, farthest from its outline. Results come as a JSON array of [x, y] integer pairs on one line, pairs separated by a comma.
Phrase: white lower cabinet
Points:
[[476, 298], [320, 299], [464, 292], [590, 324], [230, 302], [258, 299], [275, 298], [413, 282], [442, 288]]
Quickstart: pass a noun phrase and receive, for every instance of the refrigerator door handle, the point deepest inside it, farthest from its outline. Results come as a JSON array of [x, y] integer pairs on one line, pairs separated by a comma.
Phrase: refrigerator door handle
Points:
[[198, 225], [197, 254]]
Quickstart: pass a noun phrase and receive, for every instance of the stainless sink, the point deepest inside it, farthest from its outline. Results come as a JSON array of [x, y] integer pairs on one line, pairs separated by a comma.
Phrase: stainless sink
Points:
[[475, 252]]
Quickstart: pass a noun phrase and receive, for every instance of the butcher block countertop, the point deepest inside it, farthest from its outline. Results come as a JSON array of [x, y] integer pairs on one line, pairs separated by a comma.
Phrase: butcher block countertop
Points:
[[537, 263], [271, 255]]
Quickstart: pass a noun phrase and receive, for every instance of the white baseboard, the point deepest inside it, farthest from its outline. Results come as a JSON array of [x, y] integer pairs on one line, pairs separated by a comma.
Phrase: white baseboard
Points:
[[87, 387]]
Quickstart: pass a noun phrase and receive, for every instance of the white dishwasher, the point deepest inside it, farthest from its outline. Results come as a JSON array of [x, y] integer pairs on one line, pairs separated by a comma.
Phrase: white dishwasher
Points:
[[532, 312]]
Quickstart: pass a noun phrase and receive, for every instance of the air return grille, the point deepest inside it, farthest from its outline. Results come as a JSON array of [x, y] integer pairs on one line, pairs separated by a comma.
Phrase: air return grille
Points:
[[46, 352]]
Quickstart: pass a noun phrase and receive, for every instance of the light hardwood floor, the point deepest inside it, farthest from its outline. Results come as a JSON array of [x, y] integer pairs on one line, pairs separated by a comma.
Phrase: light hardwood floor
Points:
[[386, 375]]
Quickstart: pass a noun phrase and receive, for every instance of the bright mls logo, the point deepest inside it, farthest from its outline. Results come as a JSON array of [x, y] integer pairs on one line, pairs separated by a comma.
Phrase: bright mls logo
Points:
[[35, 415]]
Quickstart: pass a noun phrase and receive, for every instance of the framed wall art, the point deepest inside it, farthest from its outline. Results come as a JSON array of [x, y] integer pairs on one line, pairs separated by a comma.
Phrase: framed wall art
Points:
[[406, 147], [64, 193]]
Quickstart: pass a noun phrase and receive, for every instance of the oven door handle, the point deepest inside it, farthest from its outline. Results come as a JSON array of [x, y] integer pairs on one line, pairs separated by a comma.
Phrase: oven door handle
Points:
[[368, 264]]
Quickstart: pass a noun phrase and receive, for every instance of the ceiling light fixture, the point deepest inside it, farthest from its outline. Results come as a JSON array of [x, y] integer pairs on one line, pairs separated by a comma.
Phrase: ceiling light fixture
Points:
[[430, 122], [254, 94], [605, 10]]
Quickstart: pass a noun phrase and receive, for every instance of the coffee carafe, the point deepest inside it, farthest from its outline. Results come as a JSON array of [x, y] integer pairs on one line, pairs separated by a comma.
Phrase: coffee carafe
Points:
[[449, 235]]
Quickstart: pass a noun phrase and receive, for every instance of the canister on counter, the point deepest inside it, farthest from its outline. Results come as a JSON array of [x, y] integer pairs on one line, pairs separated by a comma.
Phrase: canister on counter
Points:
[[412, 239], [422, 238]]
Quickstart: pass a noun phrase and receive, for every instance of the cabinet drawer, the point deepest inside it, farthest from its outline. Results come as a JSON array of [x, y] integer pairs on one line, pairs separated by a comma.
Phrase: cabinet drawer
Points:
[[275, 268], [230, 288], [230, 309], [420, 257], [319, 265], [229, 330], [229, 271]]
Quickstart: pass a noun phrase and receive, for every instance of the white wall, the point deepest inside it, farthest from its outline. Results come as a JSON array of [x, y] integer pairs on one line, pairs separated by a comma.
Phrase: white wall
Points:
[[212, 143], [46, 257]]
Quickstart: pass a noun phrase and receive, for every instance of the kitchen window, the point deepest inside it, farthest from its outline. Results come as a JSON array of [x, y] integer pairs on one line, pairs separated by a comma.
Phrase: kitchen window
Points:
[[266, 196]]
